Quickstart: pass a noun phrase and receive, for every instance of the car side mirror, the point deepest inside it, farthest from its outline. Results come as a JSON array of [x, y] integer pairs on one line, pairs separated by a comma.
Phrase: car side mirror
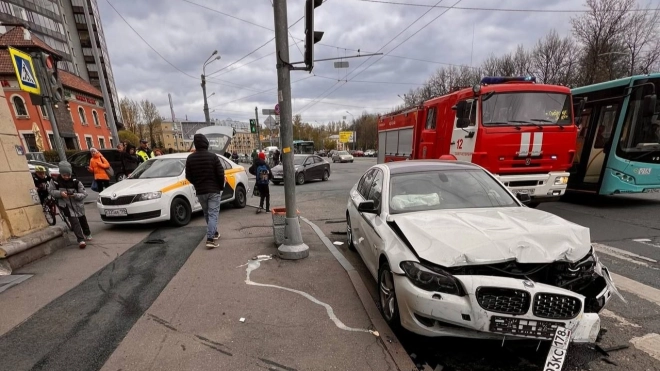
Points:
[[648, 105], [367, 207], [525, 198]]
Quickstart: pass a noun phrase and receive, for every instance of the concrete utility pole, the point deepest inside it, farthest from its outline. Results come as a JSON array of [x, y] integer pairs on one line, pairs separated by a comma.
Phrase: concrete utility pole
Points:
[[40, 66], [256, 116], [104, 89], [206, 103], [59, 146], [293, 246]]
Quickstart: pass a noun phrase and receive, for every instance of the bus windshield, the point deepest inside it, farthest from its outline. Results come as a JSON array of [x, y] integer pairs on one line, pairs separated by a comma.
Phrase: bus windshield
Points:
[[303, 147], [527, 108], [640, 135]]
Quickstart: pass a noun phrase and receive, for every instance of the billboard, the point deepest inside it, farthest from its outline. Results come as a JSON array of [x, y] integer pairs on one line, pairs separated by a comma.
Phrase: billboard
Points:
[[346, 136]]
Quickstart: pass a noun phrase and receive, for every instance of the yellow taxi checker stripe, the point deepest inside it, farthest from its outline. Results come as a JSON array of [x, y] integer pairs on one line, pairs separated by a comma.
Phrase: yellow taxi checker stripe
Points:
[[179, 184], [235, 170]]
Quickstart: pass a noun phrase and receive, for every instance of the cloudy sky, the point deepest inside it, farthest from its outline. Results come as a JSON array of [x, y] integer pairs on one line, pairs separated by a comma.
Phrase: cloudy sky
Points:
[[186, 32]]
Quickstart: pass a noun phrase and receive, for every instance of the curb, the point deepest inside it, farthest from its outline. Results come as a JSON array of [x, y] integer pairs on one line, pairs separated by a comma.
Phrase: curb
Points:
[[34, 246], [387, 337]]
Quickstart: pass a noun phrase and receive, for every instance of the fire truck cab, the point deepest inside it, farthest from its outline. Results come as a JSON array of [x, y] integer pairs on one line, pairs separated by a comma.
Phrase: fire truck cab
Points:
[[522, 132]]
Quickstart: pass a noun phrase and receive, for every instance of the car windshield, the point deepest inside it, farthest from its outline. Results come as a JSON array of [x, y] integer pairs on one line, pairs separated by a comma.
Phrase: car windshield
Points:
[[159, 168], [449, 189], [342, 153], [528, 108], [299, 160]]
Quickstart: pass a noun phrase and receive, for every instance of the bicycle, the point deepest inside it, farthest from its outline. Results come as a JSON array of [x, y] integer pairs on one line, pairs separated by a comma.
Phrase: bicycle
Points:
[[51, 209]]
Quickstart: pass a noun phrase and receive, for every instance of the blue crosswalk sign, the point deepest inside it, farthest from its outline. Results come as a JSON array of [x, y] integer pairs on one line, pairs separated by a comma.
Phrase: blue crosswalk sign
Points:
[[25, 72]]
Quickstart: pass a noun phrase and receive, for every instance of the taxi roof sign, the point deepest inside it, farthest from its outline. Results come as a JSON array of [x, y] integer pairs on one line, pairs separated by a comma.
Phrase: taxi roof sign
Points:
[[25, 72]]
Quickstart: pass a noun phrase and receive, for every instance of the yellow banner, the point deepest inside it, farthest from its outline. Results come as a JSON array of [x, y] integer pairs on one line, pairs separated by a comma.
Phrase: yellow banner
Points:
[[346, 136]]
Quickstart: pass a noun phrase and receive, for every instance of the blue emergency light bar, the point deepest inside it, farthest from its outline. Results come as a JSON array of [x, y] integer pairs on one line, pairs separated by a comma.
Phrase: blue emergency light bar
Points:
[[490, 80]]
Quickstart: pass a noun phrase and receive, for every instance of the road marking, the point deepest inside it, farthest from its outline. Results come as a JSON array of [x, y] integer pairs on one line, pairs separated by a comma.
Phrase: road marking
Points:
[[641, 240], [625, 255], [622, 321], [643, 291], [646, 241], [649, 343]]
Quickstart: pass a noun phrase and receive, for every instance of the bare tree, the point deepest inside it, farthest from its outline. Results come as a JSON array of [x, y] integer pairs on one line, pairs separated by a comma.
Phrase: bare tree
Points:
[[152, 121], [640, 39], [130, 110], [601, 31]]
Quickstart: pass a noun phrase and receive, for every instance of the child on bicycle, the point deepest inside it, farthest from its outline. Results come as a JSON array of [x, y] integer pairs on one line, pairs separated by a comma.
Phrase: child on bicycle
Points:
[[70, 195], [41, 181]]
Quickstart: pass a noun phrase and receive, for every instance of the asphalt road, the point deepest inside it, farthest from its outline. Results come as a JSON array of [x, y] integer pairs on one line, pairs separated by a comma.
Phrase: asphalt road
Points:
[[628, 223]]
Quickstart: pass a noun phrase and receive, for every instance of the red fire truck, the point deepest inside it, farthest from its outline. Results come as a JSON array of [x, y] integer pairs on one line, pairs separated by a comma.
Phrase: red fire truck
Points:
[[521, 131]]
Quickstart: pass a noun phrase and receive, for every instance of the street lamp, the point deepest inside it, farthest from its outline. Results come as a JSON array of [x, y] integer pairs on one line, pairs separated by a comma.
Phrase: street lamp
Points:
[[404, 99], [354, 131], [206, 104]]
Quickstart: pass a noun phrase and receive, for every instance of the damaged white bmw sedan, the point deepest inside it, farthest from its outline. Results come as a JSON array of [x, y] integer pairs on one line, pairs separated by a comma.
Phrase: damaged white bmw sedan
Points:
[[455, 253]]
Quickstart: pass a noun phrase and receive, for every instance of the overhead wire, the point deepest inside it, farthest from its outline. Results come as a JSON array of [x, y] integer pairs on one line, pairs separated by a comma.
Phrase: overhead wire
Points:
[[497, 9]]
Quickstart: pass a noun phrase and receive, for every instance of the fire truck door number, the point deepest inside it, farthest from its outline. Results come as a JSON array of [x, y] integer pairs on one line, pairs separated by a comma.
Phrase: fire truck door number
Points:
[[459, 144]]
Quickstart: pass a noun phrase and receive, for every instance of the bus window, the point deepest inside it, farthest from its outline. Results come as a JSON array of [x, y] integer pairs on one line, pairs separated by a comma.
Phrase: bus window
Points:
[[582, 133], [605, 124]]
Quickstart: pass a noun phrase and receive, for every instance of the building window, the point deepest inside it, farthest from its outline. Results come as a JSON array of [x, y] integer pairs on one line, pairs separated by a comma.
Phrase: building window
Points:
[[112, 143], [102, 143], [51, 140], [31, 142], [19, 106], [95, 115], [105, 118], [81, 113], [44, 112], [88, 141]]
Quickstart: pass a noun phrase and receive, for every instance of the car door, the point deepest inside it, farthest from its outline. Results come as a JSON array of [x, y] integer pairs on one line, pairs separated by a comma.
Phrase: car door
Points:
[[320, 165], [463, 140], [308, 168], [79, 163], [230, 176], [371, 222], [357, 222]]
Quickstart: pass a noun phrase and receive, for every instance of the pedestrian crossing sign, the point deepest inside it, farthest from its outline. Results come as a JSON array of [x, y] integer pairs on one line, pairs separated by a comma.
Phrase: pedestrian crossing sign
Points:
[[25, 72]]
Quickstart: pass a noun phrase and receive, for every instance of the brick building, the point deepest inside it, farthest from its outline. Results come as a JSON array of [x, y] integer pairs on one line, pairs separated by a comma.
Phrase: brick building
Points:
[[81, 118]]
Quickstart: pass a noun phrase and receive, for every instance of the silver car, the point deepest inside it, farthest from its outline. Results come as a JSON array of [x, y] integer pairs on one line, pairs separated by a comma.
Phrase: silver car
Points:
[[342, 156]]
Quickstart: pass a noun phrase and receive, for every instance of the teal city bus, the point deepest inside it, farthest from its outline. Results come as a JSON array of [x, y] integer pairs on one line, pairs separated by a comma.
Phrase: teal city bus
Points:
[[618, 144]]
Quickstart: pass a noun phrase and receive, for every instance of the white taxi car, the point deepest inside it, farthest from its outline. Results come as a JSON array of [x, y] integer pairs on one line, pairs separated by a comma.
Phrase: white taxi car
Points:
[[158, 191], [456, 254]]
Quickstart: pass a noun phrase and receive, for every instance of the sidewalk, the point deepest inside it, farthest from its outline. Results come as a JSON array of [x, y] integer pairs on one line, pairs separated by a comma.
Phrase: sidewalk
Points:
[[209, 318]]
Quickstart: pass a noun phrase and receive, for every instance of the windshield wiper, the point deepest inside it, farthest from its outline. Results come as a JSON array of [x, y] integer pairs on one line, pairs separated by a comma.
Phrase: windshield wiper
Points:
[[529, 123], [504, 123]]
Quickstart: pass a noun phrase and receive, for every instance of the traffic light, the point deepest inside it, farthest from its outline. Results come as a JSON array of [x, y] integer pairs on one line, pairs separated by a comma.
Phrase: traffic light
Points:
[[311, 36], [253, 126], [54, 89]]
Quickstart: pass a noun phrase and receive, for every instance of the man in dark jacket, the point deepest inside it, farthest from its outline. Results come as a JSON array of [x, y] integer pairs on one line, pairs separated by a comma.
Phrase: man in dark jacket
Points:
[[204, 171], [263, 174]]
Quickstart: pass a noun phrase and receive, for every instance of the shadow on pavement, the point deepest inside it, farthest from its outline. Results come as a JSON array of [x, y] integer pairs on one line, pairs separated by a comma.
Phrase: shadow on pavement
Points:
[[610, 202]]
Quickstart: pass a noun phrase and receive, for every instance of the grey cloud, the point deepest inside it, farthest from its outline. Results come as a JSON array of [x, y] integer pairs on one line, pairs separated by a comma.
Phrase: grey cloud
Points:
[[186, 34]]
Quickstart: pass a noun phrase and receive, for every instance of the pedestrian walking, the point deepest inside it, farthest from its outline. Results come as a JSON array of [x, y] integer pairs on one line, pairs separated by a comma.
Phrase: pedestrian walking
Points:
[[128, 158], [205, 172], [70, 195], [262, 171], [101, 169], [276, 157]]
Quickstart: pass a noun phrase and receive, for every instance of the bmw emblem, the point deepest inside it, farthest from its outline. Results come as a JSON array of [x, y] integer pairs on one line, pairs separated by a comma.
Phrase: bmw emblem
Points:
[[528, 161], [114, 195], [528, 283]]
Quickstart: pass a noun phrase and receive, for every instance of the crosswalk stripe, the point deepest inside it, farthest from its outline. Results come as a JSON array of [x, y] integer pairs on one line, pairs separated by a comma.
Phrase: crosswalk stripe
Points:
[[643, 291]]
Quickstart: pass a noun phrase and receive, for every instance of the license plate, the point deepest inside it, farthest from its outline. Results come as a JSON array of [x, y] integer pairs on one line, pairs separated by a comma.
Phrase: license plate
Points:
[[116, 212], [522, 327], [558, 350], [652, 190], [528, 191]]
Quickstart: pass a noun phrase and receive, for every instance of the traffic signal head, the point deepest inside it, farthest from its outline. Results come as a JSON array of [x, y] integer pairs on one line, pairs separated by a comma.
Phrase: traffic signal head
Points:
[[253, 126], [311, 36], [55, 91]]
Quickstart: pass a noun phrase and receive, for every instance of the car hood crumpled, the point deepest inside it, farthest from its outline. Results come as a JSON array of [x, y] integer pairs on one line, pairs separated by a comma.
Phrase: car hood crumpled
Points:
[[488, 236]]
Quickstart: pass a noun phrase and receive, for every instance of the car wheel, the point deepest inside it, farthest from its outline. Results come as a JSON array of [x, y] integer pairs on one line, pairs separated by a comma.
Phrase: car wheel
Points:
[[351, 161], [300, 178], [119, 177], [349, 233], [326, 175], [389, 306], [240, 199], [180, 212]]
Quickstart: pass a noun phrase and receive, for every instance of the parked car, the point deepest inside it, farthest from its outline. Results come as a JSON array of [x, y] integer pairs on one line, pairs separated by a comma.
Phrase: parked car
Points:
[[357, 153], [489, 267], [53, 170], [80, 161], [342, 156], [308, 167], [158, 191], [369, 153]]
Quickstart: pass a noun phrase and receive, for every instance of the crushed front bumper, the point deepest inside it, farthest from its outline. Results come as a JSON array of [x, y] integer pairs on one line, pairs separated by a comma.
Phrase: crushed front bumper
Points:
[[438, 314]]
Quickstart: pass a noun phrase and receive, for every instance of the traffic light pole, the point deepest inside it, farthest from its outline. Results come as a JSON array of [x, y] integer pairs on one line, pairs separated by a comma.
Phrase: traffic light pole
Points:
[[104, 89], [256, 122], [293, 246], [59, 146]]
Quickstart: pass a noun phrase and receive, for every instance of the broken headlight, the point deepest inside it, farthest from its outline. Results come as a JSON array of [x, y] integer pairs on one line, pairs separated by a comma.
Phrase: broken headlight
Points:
[[431, 279]]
